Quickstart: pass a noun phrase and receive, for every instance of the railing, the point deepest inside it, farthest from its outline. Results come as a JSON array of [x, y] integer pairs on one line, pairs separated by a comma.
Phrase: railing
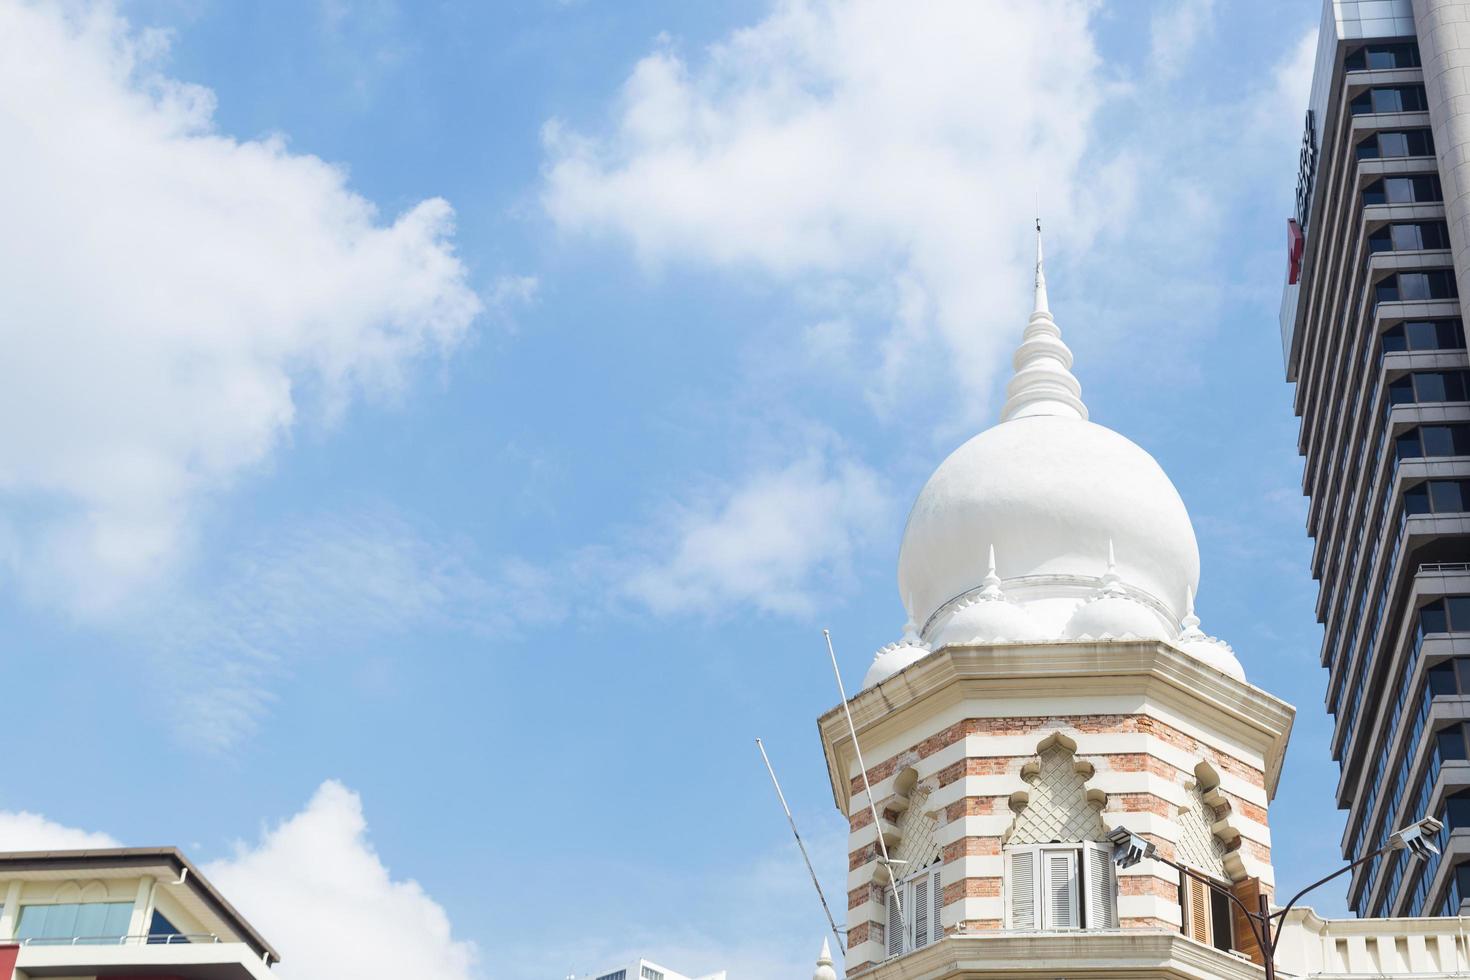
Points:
[[1444, 567], [153, 939]]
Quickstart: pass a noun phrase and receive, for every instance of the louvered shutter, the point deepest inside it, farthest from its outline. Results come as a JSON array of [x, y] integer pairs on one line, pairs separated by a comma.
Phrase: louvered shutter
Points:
[[936, 927], [895, 925], [1021, 878], [1101, 904], [1060, 911], [919, 896], [1196, 909]]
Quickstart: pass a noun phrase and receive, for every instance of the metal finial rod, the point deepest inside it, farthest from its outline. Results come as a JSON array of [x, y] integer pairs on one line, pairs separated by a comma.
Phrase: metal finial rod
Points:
[[841, 946], [862, 768]]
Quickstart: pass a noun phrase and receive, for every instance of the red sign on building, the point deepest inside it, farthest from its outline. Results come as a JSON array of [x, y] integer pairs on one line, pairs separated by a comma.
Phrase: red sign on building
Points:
[[9, 952], [1295, 243]]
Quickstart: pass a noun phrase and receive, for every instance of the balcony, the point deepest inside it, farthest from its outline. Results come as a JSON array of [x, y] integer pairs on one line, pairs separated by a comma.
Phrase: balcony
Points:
[[155, 957]]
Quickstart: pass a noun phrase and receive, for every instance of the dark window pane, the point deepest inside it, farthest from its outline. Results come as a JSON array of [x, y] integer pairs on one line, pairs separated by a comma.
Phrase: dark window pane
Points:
[[1445, 496], [1459, 614], [1421, 143], [1457, 809], [1387, 291], [1407, 238], [1438, 440], [1421, 334], [1413, 285], [1451, 742], [1406, 445], [1362, 102], [1432, 618], [1429, 386], [1416, 499], [1434, 234], [1399, 190], [1451, 334], [1462, 675], [1394, 340], [1373, 193], [1393, 144], [1220, 920], [1454, 386], [1368, 149], [1401, 390], [1442, 679], [1381, 240], [1388, 100]]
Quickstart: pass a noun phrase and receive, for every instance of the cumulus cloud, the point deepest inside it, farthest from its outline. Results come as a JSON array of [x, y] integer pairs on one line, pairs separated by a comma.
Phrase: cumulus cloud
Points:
[[770, 541], [318, 890], [173, 300], [23, 831], [891, 148]]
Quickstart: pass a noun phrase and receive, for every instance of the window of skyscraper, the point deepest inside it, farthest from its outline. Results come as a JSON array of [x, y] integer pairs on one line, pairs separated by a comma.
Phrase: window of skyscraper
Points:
[[1404, 143], [1382, 57], [1414, 189], [1409, 286], [1417, 335], [1434, 440], [1390, 98]]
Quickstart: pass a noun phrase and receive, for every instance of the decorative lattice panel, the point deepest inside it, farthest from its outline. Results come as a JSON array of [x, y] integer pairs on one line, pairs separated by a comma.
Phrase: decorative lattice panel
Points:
[[916, 831], [1198, 846], [1058, 809]]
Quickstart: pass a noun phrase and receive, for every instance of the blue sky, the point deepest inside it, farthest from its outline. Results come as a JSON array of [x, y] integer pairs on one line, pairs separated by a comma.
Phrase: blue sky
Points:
[[436, 434]]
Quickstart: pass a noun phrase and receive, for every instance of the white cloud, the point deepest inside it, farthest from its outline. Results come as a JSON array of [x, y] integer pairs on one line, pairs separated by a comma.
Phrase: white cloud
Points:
[[23, 831], [173, 301], [1175, 29], [316, 888], [771, 541], [894, 147], [318, 588]]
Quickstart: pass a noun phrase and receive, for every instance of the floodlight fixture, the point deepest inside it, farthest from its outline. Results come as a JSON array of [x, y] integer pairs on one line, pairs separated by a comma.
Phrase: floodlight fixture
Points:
[[1129, 848], [1418, 837]]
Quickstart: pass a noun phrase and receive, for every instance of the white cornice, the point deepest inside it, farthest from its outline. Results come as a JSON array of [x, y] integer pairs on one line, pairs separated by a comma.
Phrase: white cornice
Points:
[[1147, 667], [1134, 953]]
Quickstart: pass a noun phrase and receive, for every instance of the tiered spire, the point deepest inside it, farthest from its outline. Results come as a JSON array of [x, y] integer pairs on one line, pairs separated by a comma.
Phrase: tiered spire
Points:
[[1044, 383], [824, 969]]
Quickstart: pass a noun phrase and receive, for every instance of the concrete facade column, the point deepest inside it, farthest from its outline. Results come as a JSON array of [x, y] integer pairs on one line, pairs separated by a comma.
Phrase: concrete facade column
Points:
[[1444, 47], [10, 914]]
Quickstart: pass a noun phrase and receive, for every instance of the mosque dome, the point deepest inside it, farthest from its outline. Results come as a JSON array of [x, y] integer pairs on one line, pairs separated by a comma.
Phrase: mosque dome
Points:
[[1209, 649], [1048, 490], [895, 657], [987, 618], [1115, 614]]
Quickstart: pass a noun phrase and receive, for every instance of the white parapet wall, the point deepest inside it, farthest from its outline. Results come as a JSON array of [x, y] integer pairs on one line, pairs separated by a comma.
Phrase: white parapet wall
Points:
[[1311, 946]]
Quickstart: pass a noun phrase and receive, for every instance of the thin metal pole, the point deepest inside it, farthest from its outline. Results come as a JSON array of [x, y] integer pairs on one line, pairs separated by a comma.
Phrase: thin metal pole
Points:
[[1269, 952], [862, 768], [804, 856]]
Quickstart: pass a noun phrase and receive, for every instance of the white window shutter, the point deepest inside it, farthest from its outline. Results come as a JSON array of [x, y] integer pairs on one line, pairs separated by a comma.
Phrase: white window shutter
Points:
[[1102, 890], [895, 925], [936, 927], [1060, 910], [919, 896], [1021, 882]]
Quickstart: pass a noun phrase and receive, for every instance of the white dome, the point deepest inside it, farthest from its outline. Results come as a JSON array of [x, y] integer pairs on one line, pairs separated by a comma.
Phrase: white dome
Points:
[[1208, 649], [893, 658], [986, 620], [1213, 651], [1115, 615], [1048, 492]]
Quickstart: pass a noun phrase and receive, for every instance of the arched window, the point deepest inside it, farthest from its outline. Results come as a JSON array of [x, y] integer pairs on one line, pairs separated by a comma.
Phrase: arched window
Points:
[[1206, 914], [1058, 867]]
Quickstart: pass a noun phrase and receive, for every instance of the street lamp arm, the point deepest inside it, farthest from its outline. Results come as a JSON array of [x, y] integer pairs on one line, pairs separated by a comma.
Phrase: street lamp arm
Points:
[[1281, 914]]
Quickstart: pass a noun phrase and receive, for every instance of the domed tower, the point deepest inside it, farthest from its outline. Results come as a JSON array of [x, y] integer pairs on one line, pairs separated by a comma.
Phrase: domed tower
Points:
[[1052, 685]]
